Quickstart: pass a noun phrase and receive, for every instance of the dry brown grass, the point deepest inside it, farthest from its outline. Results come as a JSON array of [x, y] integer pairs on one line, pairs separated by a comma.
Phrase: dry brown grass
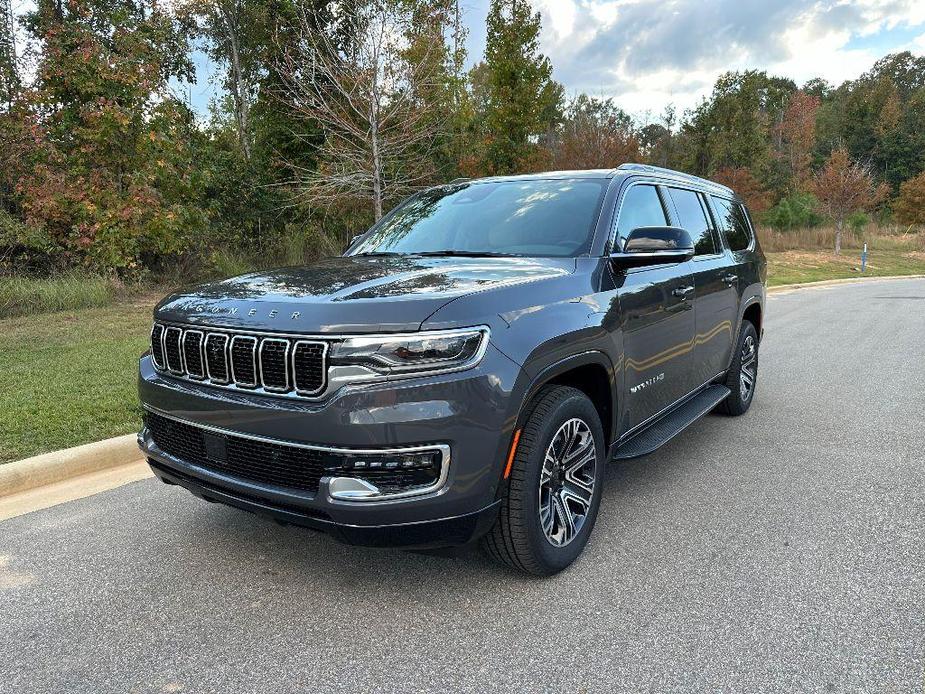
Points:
[[886, 238]]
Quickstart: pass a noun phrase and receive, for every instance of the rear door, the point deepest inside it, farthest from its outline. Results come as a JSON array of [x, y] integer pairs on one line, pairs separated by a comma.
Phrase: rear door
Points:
[[715, 286], [656, 307]]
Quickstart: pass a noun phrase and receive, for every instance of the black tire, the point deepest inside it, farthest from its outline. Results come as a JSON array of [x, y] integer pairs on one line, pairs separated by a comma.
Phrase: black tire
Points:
[[745, 359], [519, 538]]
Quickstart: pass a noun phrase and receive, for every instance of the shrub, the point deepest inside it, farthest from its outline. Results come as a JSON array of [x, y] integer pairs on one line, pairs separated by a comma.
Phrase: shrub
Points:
[[796, 211], [858, 222]]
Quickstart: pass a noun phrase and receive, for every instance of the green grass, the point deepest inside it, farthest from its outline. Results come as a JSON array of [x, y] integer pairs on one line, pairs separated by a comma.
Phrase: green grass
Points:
[[23, 296], [69, 377], [795, 267]]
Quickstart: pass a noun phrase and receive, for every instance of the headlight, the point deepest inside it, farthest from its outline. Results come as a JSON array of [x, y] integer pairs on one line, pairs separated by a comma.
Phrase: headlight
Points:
[[426, 352]]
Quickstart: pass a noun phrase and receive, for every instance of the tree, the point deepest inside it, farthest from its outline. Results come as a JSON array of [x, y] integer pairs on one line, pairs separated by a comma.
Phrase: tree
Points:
[[843, 187], [111, 175], [232, 28], [798, 136], [522, 103], [379, 134], [9, 73], [733, 128], [743, 182], [910, 206], [595, 134]]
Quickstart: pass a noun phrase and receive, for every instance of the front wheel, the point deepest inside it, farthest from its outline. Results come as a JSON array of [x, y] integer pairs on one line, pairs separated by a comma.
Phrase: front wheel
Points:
[[743, 373], [555, 485]]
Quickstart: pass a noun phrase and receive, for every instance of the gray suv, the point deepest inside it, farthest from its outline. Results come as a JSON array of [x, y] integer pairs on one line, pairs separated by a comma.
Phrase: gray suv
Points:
[[466, 369]]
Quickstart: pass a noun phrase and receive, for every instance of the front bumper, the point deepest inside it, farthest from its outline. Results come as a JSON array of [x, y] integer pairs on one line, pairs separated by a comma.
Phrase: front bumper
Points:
[[442, 532], [468, 411]]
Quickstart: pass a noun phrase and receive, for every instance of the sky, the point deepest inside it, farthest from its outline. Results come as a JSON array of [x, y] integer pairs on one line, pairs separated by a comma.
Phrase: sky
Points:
[[649, 53]]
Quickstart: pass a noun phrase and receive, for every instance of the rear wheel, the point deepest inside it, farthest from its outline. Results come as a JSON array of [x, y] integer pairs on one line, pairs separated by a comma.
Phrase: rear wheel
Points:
[[555, 485], [743, 373]]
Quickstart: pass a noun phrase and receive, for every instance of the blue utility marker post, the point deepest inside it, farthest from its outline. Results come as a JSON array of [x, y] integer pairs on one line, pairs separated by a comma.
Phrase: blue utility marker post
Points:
[[864, 259]]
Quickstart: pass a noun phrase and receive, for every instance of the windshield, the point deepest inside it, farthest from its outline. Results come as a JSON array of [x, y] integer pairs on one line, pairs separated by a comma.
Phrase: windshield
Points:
[[525, 218]]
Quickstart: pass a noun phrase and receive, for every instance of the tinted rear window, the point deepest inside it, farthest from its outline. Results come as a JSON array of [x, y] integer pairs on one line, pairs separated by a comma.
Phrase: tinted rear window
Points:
[[734, 223], [693, 219], [534, 217]]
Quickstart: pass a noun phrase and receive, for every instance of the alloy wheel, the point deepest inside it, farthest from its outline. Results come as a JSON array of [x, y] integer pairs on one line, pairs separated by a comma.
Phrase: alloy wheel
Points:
[[567, 482], [748, 370]]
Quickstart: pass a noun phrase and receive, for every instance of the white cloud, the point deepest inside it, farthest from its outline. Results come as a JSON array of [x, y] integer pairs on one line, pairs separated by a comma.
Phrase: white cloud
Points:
[[648, 53]]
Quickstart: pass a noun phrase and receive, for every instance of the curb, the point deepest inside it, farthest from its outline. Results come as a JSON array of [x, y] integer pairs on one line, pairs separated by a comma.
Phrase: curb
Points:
[[846, 280], [58, 466]]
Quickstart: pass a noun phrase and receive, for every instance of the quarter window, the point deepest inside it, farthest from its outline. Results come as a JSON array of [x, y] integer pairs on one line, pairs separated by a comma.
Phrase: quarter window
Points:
[[641, 208], [733, 220], [693, 219]]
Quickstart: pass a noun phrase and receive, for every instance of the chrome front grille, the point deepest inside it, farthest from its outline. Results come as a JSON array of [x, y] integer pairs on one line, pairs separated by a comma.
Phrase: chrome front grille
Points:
[[276, 365]]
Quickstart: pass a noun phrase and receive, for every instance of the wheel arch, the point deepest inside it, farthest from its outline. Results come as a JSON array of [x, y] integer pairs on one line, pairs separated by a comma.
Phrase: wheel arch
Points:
[[590, 372]]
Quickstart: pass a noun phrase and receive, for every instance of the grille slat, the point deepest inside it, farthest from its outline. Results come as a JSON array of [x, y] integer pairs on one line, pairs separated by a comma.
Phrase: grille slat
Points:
[[271, 463], [192, 354], [172, 352], [217, 358], [308, 367], [273, 370], [157, 345], [274, 365], [244, 360]]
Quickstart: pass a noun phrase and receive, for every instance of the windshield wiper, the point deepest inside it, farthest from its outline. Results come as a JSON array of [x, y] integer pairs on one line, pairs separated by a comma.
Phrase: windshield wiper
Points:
[[377, 254], [466, 254]]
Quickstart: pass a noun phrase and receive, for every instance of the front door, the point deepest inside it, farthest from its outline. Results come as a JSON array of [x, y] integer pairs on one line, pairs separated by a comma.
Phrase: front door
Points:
[[656, 307]]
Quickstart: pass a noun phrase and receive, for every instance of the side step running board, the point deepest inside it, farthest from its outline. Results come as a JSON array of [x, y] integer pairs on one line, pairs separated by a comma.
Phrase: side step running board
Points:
[[663, 430]]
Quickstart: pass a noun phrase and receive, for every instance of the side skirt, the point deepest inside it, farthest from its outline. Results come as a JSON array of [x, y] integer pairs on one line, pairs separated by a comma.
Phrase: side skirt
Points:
[[669, 425]]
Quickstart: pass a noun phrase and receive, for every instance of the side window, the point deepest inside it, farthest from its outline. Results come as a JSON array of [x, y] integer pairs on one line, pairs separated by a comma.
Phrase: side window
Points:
[[693, 218], [734, 223], [641, 208]]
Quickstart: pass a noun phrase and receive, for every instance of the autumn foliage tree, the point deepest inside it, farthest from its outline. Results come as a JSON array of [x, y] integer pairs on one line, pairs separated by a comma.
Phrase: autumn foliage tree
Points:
[[910, 206], [797, 133], [595, 134], [743, 182], [110, 174], [843, 187]]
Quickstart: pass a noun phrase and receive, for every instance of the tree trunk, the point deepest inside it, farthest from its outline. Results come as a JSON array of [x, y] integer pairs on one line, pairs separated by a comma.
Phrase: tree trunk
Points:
[[838, 227], [377, 171], [239, 93]]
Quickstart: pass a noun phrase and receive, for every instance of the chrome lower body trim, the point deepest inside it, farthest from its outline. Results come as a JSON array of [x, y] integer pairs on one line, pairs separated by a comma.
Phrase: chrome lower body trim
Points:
[[434, 488]]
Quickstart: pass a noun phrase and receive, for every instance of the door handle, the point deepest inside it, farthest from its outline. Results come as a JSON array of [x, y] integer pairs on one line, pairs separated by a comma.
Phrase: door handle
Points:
[[730, 279], [682, 292]]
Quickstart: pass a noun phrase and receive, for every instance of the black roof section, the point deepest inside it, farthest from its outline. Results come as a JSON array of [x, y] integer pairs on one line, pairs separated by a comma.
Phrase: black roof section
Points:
[[622, 170], [672, 174]]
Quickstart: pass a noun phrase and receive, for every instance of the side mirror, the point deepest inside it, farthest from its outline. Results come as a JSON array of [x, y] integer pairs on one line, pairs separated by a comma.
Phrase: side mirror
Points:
[[655, 246]]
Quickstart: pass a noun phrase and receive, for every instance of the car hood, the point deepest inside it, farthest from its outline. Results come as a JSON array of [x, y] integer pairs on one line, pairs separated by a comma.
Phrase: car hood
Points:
[[351, 294]]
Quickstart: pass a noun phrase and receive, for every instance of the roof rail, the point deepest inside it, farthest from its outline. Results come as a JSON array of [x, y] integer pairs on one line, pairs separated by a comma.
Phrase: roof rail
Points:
[[646, 168]]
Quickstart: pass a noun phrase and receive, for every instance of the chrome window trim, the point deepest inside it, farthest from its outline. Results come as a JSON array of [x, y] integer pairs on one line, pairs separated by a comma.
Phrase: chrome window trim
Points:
[[442, 448], [234, 377], [212, 378], [263, 343], [182, 371], [202, 357], [325, 346]]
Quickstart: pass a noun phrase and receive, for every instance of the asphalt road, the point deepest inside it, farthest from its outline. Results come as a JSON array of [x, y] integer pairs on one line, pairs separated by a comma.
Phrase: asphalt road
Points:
[[781, 551]]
